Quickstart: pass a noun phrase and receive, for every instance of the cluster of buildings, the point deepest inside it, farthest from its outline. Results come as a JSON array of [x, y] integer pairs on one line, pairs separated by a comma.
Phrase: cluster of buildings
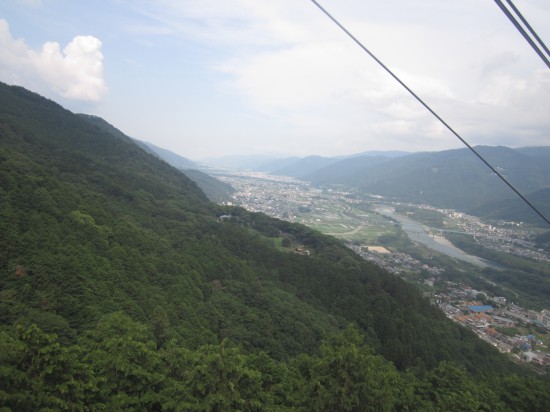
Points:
[[394, 262], [496, 324], [507, 237], [506, 326], [277, 196]]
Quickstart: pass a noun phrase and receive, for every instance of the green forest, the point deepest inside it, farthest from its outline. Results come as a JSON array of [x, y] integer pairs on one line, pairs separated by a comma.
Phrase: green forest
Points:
[[122, 287]]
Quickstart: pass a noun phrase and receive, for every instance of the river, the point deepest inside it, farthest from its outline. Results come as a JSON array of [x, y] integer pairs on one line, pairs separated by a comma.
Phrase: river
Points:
[[418, 233]]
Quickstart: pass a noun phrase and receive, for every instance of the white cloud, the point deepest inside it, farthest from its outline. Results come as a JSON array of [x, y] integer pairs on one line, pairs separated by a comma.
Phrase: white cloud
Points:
[[303, 76], [235, 22], [76, 72]]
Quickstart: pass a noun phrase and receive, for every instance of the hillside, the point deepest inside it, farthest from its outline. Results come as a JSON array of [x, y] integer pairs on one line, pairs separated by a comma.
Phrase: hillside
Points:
[[514, 209], [214, 189], [174, 159], [123, 288]]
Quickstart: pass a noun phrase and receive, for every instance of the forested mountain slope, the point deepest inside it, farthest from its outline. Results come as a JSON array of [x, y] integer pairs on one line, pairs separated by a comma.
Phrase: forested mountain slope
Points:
[[515, 209], [123, 288], [214, 189], [179, 162], [454, 179]]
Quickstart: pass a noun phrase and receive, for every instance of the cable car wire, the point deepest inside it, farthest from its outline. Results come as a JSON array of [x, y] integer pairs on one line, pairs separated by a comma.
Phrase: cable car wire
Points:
[[526, 23], [522, 30], [496, 172]]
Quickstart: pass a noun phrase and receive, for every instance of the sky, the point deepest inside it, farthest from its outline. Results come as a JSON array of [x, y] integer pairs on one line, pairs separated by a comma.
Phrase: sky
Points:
[[208, 78]]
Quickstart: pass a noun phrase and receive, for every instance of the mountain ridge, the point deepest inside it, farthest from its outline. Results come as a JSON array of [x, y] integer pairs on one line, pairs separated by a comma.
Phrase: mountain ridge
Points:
[[214, 189], [451, 179]]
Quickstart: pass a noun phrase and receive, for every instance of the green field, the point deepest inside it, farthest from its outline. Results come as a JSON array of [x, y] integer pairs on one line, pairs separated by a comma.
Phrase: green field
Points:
[[346, 222]]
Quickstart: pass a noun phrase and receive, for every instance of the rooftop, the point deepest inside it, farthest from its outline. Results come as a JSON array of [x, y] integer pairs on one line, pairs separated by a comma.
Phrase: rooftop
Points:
[[483, 308]]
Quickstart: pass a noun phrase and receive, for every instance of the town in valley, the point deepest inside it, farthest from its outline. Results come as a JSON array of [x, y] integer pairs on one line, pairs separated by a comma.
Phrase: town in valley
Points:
[[368, 224]]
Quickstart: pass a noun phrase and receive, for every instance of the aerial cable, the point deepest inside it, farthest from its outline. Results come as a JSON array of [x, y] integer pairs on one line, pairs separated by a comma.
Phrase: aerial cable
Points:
[[496, 172], [526, 24], [522, 30]]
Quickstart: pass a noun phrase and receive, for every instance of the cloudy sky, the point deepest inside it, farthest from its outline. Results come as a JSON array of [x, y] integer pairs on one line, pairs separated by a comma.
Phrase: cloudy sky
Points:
[[216, 77]]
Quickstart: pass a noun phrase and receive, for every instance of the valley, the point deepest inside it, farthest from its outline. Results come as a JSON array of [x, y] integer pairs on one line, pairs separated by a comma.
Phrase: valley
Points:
[[412, 241], [228, 206], [114, 261], [355, 218]]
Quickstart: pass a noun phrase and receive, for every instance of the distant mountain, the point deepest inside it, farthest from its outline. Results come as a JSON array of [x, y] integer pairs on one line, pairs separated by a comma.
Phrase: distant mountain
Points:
[[304, 166], [514, 209], [179, 162], [277, 164], [293, 166], [342, 171], [379, 153], [542, 152], [452, 178], [239, 162]]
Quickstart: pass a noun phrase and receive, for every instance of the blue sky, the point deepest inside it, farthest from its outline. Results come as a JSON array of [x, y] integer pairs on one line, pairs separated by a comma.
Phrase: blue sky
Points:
[[216, 77]]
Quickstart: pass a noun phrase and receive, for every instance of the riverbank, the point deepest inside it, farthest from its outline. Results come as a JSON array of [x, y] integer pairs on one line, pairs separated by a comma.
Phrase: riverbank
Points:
[[418, 233]]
